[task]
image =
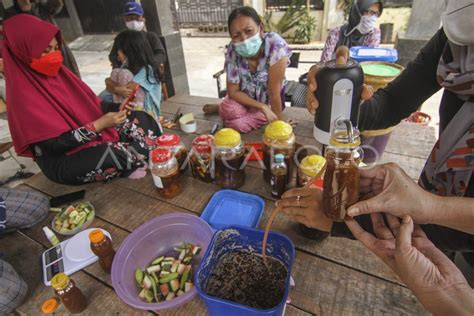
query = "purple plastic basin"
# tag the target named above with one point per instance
(152, 239)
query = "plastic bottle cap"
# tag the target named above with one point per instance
(203, 144)
(168, 140)
(161, 155)
(279, 130)
(96, 236)
(279, 158)
(49, 306)
(227, 137)
(313, 165)
(59, 281)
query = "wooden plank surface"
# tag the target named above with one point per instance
(119, 212)
(24, 254)
(336, 276)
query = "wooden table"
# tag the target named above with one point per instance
(334, 277)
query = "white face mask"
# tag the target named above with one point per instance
(458, 23)
(135, 25)
(367, 23)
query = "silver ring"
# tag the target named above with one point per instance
(298, 198)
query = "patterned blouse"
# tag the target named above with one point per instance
(255, 85)
(372, 39)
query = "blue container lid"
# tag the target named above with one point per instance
(364, 53)
(230, 207)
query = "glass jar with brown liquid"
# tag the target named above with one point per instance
(341, 180)
(278, 139)
(229, 158)
(165, 172)
(71, 296)
(173, 141)
(201, 158)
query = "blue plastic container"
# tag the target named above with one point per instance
(230, 207)
(238, 238)
(364, 53)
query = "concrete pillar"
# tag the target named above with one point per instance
(159, 19)
(70, 25)
(424, 22)
(331, 18)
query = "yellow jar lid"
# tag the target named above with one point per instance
(279, 130)
(59, 281)
(227, 137)
(313, 165)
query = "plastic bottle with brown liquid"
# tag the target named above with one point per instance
(279, 176)
(341, 180)
(71, 296)
(102, 246)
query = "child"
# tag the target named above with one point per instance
(138, 67)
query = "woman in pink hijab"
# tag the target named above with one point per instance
(56, 119)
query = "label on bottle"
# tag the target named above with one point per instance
(157, 181)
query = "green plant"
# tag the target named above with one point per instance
(345, 5)
(305, 29)
(289, 20)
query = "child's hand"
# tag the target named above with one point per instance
(123, 91)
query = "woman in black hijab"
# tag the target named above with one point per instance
(361, 30)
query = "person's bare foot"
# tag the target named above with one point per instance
(210, 108)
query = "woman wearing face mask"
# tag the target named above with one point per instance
(56, 119)
(255, 64)
(361, 30)
(134, 20)
(45, 10)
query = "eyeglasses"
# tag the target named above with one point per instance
(372, 13)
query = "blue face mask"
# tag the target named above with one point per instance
(249, 47)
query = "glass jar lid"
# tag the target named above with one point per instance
(59, 281)
(168, 140)
(313, 165)
(161, 155)
(278, 130)
(227, 138)
(203, 144)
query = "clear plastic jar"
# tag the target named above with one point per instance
(341, 180)
(173, 141)
(165, 172)
(201, 158)
(278, 139)
(310, 169)
(229, 157)
(71, 296)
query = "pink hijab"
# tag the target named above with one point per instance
(41, 107)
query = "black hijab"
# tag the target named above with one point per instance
(355, 38)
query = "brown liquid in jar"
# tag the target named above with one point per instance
(182, 156)
(171, 185)
(228, 171)
(72, 298)
(106, 253)
(267, 158)
(341, 185)
(201, 168)
(278, 182)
